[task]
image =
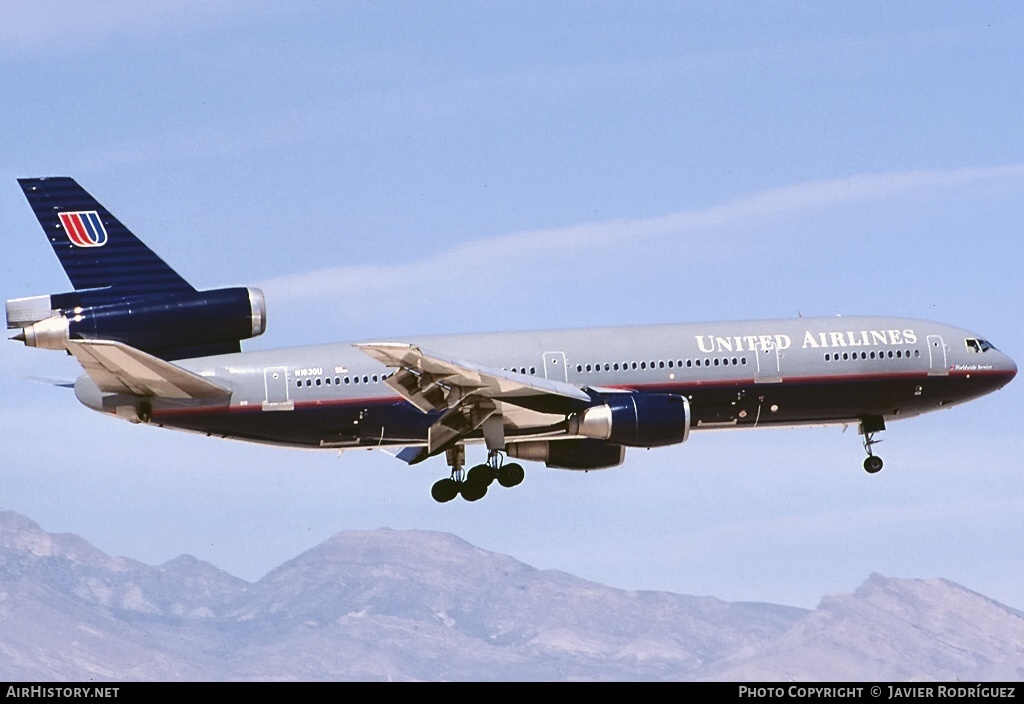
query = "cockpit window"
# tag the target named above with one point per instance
(976, 344)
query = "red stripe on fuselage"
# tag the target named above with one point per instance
(678, 386)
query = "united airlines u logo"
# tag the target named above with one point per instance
(84, 229)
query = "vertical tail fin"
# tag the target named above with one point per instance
(95, 249)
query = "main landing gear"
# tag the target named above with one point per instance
(474, 483)
(868, 427)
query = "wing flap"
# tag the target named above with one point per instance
(118, 368)
(434, 382)
(467, 394)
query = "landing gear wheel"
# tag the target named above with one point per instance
(473, 491)
(511, 475)
(869, 426)
(480, 474)
(873, 464)
(444, 490)
(144, 412)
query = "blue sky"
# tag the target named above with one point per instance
(384, 169)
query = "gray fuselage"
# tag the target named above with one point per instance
(733, 374)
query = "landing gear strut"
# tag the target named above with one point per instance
(473, 485)
(868, 427)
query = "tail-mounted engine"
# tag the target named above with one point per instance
(169, 325)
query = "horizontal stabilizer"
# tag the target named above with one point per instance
(413, 455)
(49, 381)
(118, 368)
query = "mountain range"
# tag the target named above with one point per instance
(419, 605)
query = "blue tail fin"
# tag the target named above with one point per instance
(95, 249)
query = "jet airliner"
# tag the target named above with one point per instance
(156, 350)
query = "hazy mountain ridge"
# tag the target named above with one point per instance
(421, 605)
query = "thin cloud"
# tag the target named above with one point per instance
(563, 244)
(68, 26)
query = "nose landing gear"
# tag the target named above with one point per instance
(872, 464)
(868, 427)
(473, 485)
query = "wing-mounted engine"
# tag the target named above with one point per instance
(635, 420)
(169, 325)
(580, 453)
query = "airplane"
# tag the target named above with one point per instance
(156, 350)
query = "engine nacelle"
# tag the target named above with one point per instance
(569, 454)
(151, 323)
(635, 420)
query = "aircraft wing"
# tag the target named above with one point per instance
(433, 382)
(118, 368)
(468, 394)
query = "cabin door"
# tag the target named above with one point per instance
(767, 365)
(937, 357)
(554, 366)
(275, 382)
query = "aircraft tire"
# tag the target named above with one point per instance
(481, 474)
(873, 464)
(444, 490)
(144, 412)
(473, 491)
(511, 475)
